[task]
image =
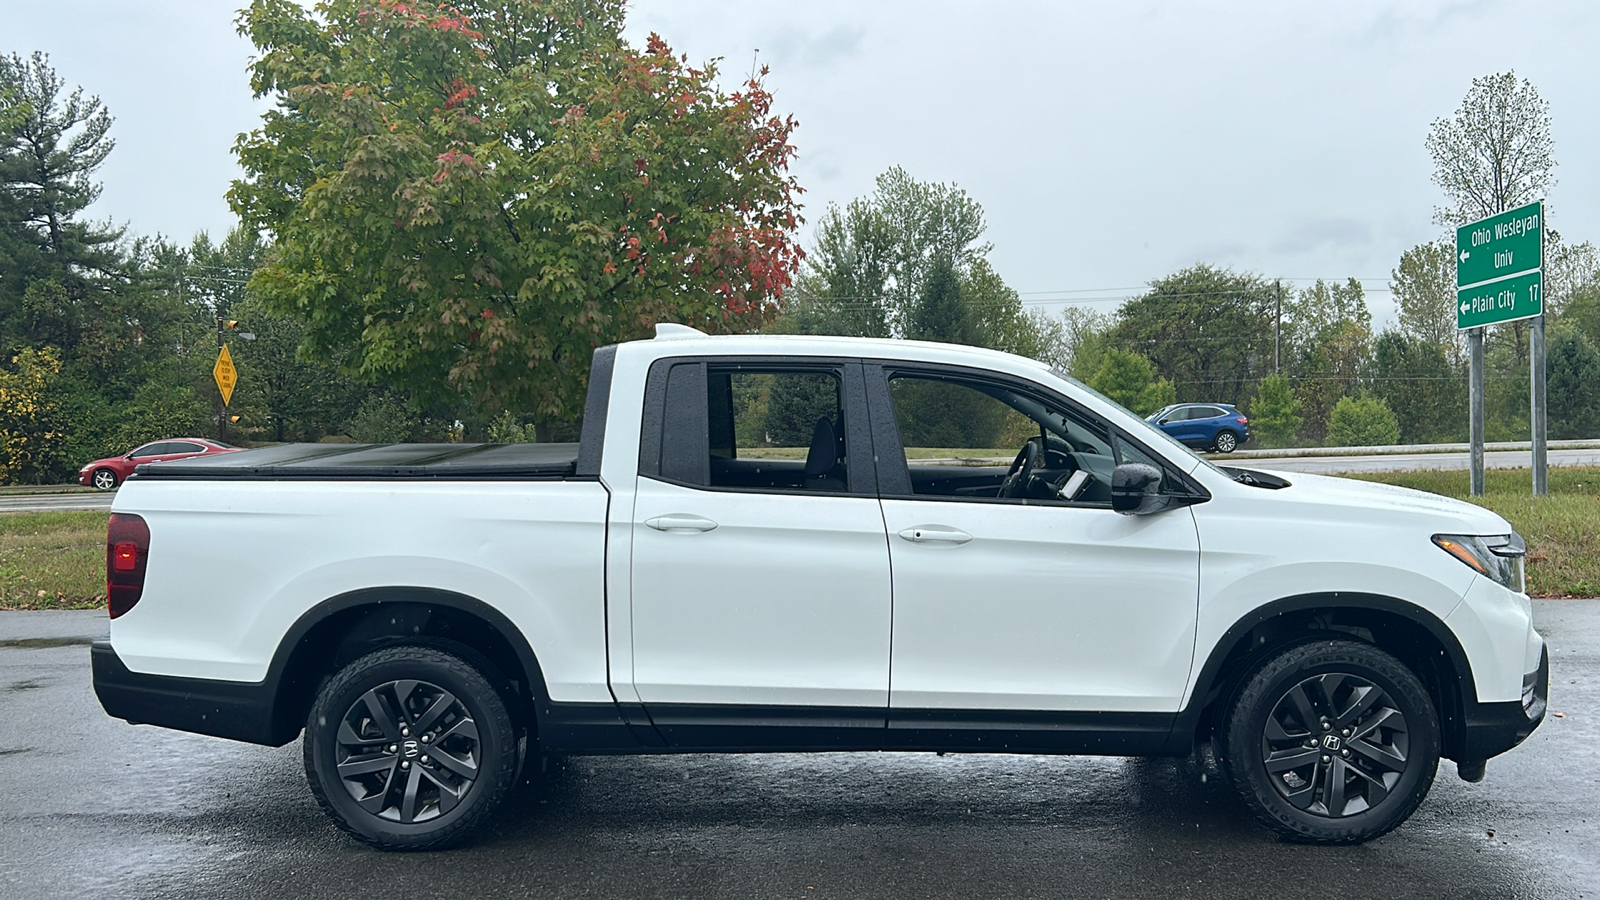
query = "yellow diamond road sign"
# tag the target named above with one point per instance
(227, 376)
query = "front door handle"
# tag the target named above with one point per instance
(935, 534)
(682, 523)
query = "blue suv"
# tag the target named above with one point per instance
(1212, 426)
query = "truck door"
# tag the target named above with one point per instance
(1019, 594)
(760, 568)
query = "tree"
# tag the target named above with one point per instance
(1419, 383)
(51, 143)
(1207, 329)
(1083, 341)
(465, 201)
(1275, 413)
(873, 259)
(1363, 421)
(1495, 153)
(1130, 379)
(844, 288)
(933, 224)
(1324, 308)
(1424, 286)
(941, 313)
(1581, 312)
(1330, 333)
(1574, 386)
(32, 427)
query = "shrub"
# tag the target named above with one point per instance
(1363, 421)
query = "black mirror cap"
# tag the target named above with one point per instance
(1136, 489)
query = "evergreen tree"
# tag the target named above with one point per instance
(1415, 378)
(1573, 386)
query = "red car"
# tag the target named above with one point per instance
(107, 473)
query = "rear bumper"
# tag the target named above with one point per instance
(1494, 728)
(240, 711)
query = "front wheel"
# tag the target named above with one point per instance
(1334, 742)
(104, 479)
(410, 748)
(1225, 442)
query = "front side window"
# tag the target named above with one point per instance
(156, 449)
(973, 439)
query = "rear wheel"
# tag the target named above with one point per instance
(1335, 742)
(104, 479)
(410, 748)
(1225, 441)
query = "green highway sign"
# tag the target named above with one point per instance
(1510, 243)
(1518, 297)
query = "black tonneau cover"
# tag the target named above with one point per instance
(365, 461)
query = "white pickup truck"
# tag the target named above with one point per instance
(431, 615)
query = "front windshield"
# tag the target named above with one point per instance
(1149, 429)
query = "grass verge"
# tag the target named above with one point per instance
(1561, 529)
(53, 560)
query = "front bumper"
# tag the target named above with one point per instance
(1493, 728)
(241, 711)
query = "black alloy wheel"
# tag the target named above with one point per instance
(1332, 742)
(1335, 745)
(104, 479)
(1225, 441)
(410, 748)
(408, 751)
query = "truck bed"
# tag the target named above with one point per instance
(370, 461)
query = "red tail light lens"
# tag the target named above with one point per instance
(1243, 420)
(127, 551)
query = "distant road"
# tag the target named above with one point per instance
(1410, 462)
(54, 502)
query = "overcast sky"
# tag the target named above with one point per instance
(1109, 143)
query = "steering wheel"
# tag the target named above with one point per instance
(1020, 475)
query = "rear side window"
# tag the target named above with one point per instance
(185, 447)
(754, 428)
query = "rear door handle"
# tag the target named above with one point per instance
(682, 523)
(935, 534)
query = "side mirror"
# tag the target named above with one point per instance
(1136, 490)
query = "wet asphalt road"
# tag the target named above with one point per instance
(93, 807)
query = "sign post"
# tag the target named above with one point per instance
(1500, 278)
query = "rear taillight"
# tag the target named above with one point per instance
(1243, 420)
(127, 551)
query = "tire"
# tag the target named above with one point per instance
(104, 480)
(1225, 441)
(395, 785)
(1358, 769)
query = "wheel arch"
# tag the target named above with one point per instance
(342, 628)
(1412, 634)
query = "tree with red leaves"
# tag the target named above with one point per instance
(465, 200)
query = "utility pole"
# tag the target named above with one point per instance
(1475, 407)
(1277, 330)
(222, 402)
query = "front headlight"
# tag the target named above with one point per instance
(1497, 557)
